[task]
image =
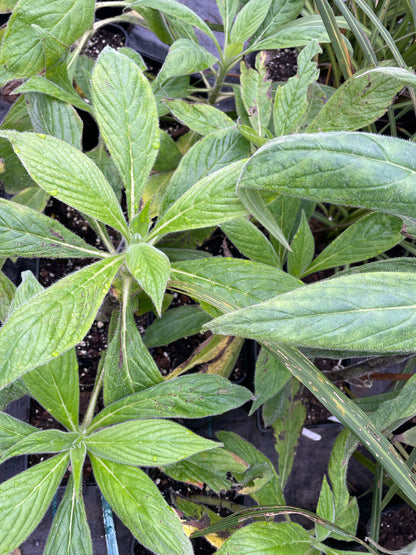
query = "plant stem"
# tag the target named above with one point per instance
(89, 415)
(219, 82)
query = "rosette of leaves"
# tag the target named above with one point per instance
(42, 327)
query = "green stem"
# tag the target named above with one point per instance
(89, 415)
(219, 82)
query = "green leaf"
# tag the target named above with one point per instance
(299, 33)
(325, 509)
(209, 467)
(271, 492)
(39, 84)
(371, 313)
(126, 114)
(287, 431)
(393, 412)
(67, 174)
(230, 283)
(185, 57)
(279, 14)
(55, 385)
(147, 442)
(12, 431)
(55, 320)
(128, 365)
(22, 53)
(408, 437)
(141, 507)
(27, 233)
(358, 102)
(212, 153)
(211, 201)
(291, 100)
(250, 241)
(7, 291)
(28, 288)
(368, 237)
(7, 5)
(356, 169)
(169, 154)
(349, 414)
(256, 94)
(174, 324)
(177, 10)
(270, 377)
(285, 538)
(33, 197)
(227, 9)
(303, 248)
(151, 268)
(25, 498)
(133, 55)
(194, 396)
(43, 441)
(201, 118)
(70, 533)
(55, 118)
(249, 20)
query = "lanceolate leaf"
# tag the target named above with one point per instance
(211, 201)
(256, 94)
(208, 155)
(209, 467)
(285, 538)
(250, 241)
(356, 169)
(55, 385)
(55, 117)
(357, 103)
(25, 232)
(25, 498)
(371, 313)
(55, 320)
(22, 53)
(151, 268)
(174, 324)
(147, 443)
(228, 283)
(141, 507)
(249, 20)
(70, 533)
(128, 365)
(297, 34)
(291, 100)
(184, 57)
(202, 118)
(66, 173)
(194, 396)
(42, 441)
(39, 84)
(126, 113)
(368, 237)
(178, 10)
(280, 13)
(7, 289)
(12, 430)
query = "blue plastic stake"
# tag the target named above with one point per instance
(109, 528)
